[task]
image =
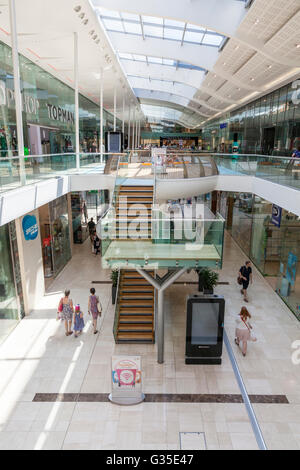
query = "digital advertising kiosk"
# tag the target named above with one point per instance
(204, 329)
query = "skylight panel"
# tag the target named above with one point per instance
(139, 58)
(155, 60)
(125, 56)
(155, 31)
(113, 25)
(133, 28)
(193, 37)
(212, 39)
(169, 62)
(173, 34)
(153, 20)
(179, 24)
(130, 16)
(195, 28)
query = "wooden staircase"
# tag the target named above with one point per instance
(133, 202)
(136, 309)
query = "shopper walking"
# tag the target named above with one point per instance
(245, 277)
(78, 321)
(243, 330)
(92, 227)
(97, 244)
(94, 308)
(65, 311)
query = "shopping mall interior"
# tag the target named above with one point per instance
(149, 154)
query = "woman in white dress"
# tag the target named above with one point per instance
(243, 330)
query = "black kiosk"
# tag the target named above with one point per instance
(204, 329)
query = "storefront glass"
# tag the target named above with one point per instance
(60, 236)
(274, 250)
(9, 306)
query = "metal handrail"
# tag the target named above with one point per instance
(117, 306)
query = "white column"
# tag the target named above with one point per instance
(129, 127)
(139, 143)
(123, 116)
(101, 115)
(136, 135)
(133, 130)
(77, 144)
(17, 86)
(115, 109)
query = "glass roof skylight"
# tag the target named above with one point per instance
(159, 60)
(148, 26)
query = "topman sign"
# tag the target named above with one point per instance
(31, 105)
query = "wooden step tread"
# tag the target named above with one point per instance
(137, 302)
(136, 319)
(133, 335)
(137, 310)
(139, 328)
(135, 296)
(136, 188)
(135, 282)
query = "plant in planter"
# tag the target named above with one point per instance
(114, 277)
(208, 279)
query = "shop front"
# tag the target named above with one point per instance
(11, 297)
(55, 236)
(272, 244)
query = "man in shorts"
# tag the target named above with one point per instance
(245, 274)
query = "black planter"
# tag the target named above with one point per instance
(113, 294)
(208, 291)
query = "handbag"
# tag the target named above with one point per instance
(252, 338)
(60, 306)
(240, 280)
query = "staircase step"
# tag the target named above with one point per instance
(135, 328)
(136, 310)
(136, 319)
(134, 282)
(134, 193)
(137, 296)
(135, 337)
(136, 302)
(136, 188)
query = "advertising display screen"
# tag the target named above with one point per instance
(205, 323)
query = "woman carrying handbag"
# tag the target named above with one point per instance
(243, 330)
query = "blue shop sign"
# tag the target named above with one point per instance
(276, 215)
(223, 125)
(30, 227)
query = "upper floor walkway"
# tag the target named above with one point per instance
(29, 182)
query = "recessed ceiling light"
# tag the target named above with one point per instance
(81, 16)
(85, 22)
(269, 66)
(77, 9)
(252, 79)
(256, 21)
(298, 46)
(92, 32)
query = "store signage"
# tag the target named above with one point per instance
(31, 105)
(30, 227)
(276, 215)
(126, 380)
(223, 125)
(57, 113)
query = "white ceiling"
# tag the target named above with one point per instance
(169, 58)
(153, 39)
(45, 36)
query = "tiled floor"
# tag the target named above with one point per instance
(38, 358)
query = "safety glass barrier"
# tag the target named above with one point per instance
(140, 239)
(183, 166)
(282, 170)
(16, 171)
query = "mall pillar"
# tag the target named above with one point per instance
(115, 109)
(123, 117)
(101, 115)
(133, 130)
(214, 202)
(129, 126)
(17, 87)
(31, 260)
(77, 144)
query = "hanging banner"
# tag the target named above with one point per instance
(126, 380)
(276, 215)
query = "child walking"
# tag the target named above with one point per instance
(78, 321)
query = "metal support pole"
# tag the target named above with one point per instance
(136, 135)
(115, 109)
(123, 117)
(17, 86)
(129, 126)
(160, 327)
(77, 144)
(133, 130)
(101, 116)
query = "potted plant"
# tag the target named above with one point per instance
(208, 279)
(114, 277)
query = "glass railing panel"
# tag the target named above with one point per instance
(280, 170)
